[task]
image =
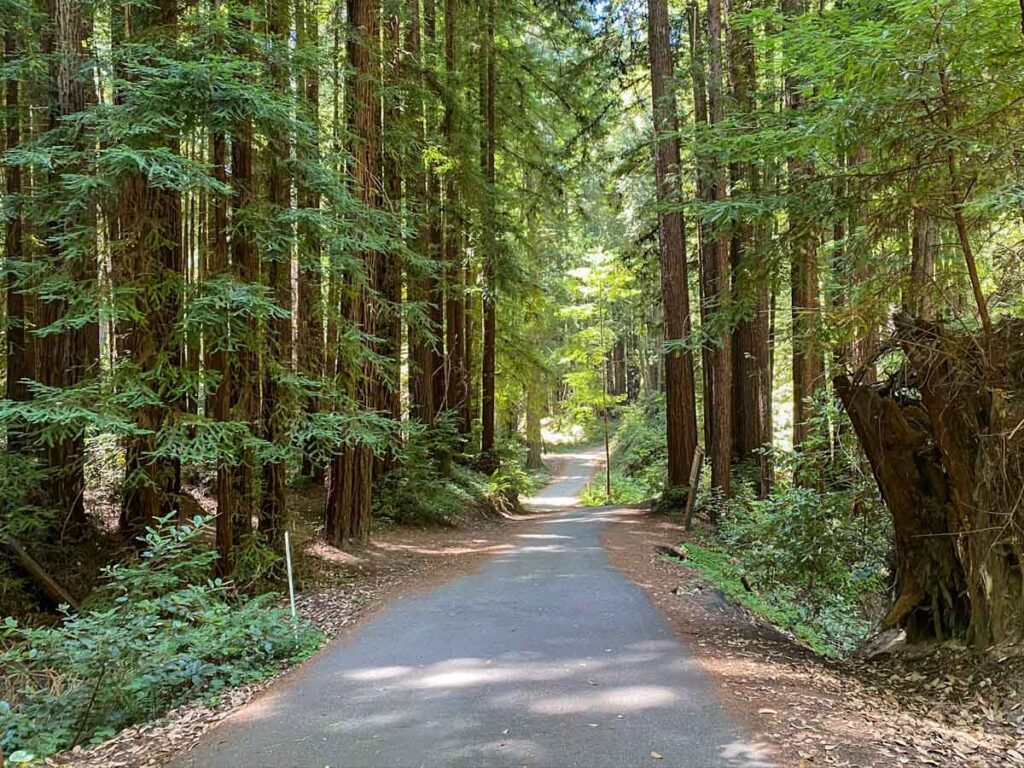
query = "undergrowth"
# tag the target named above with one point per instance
(431, 486)
(639, 458)
(159, 633)
(815, 553)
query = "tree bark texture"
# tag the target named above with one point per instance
(946, 448)
(351, 481)
(681, 408)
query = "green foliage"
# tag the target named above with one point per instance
(511, 480)
(418, 491)
(639, 456)
(779, 608)
(816, 551)
(638, 450)
(159, 633)
(626, 489)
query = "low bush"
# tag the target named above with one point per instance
(817, 550)
(511, 480)
(639, 456)
(426, 487)
(159, 633)
(421, 490)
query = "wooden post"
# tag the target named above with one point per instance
(691, 487)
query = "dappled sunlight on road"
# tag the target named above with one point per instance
(615, 701)
(546, 657)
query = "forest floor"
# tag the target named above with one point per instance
(929, 706)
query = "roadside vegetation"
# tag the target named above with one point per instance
(814, 557)
(158, 632)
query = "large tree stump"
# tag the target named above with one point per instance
(946, 445)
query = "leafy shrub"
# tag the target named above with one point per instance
(21, 520)
(625, 490)
(638, 448)
(425, 487)
(159, 633)
(816, 551)
(511, 480)
(639, 455)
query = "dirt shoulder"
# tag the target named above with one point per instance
(340, 591)
(813, 711)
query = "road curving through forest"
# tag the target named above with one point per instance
(546, 656)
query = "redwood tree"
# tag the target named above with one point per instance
(490, 142)
(679, 391)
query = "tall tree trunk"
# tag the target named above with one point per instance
(721, 453)
(421, 389)
(456, 388)
(222, 398)
(310, 310)
(751, 382)
(19, 357)
(244, 361)
(63, 359)
(277, 267)
(490, 143)
(153, 267)
(350, 487)
(808, 355)
(391, 268)
(435, 232)
(706, 238)
(681, 409)
(534, 408)
(334, 278)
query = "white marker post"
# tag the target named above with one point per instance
(291, 581)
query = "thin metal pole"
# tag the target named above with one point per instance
(604, 397)
(291, 580)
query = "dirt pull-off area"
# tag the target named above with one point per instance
(943, 707)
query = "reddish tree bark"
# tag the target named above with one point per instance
(309, 339)
(277, 266)
(808, 355)
(721, 284)
(681, 408)
(19, 353)
(390, 274)
(351, 480)
(752, 428)
(706, 238)
(153, 266)
(490, 143)
(64, 356)
(421, 381)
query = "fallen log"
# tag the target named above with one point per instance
(50, 586)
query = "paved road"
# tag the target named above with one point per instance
(545, 657)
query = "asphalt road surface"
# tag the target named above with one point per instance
(547, 656)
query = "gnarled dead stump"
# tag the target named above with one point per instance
(946, 444)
